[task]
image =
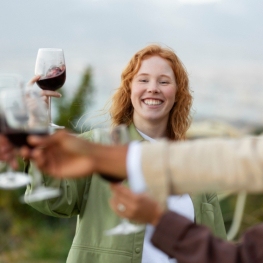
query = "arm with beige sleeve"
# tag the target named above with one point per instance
(202, 165)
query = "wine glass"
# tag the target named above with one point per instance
(11, 80)
(25, 113)
(11, 179)
(50, 65)
(116, 135)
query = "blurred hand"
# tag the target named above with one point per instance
(60, 154)
(7, 152)
(44, 93)
(138, 207)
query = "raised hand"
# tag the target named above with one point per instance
(61, 154)
(44, 93)
(138, 207)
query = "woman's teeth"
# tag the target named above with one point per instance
(152, 102)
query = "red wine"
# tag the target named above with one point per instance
(19, 138)
(54, 79)
(111, 179)
(2, 120)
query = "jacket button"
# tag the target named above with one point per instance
(137, 250)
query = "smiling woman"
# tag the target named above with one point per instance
(156, 76)
(154, 101)
(155, 98)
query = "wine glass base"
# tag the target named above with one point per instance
(41, 193)
(55, 126)
(14, 180)
(124, 228)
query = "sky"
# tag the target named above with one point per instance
(220, 43)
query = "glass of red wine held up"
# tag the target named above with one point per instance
(116, 135)
(10, 179)
(51, 67)
(25, 113)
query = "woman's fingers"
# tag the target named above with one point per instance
(55, 140)
(13, 163)
(123, 195)
(33, 80)
(25, 152)
(38, 156)
(36, 141)
(6, 149)
(121, 190)
(138, 207)
(50, 93)
(114, 204)
(44, 92)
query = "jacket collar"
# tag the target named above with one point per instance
(135, 135)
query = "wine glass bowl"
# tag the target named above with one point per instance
(11, 80)
(10, 179)
(54, 79)
(25, 113)
(51, 67)
(18, 107)
(117, 135)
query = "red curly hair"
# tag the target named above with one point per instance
(121, 110)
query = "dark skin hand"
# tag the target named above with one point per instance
(65, 155)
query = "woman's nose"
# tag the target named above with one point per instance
(153, 87)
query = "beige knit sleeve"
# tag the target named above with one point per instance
(154, 167)
(203, 165)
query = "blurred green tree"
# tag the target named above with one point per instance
(69, 110)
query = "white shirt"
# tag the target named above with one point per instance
(181, 204)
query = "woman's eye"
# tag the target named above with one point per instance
(142, 80)
(164, 82)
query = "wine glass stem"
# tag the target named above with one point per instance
(10, 172)
(37, 177)
(49, 109)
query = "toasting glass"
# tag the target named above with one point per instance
(11, 179)
(50, 65)
(116, 135)
(25, 113)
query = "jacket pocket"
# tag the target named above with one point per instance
(208, 217)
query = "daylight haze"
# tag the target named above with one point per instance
(220, 43)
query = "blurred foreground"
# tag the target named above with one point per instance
(29, 236)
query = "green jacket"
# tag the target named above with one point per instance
(88, 199)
